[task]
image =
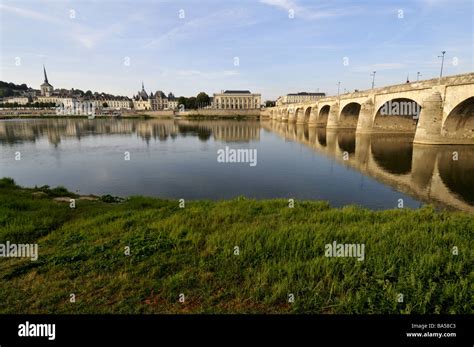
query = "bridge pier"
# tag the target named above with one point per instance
(362, 150)
(423, 166)
(366, 114)
(313, 116)
(292, 116)
(333, 117)
(300, 117)
(428, 130)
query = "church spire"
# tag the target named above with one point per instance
(143, 87)
(45, 76)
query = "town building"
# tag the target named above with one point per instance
(118, 102)
(293, 98)
(154, 101)
(236, 100)
(57, 100)
(46, 88)
(161, 101)
(173, 103)
(20, 100)
(143, 101)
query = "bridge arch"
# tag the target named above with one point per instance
(323, 115)
(298, 113)
(460, 121)
(349, 115)
(307, 114)
(397, 115)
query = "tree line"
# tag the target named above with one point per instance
(201, 100)
(29, 105)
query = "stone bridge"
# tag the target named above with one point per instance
(437, 111)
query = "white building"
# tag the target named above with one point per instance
(154, 102)
(117, 103)
(298, 97)
(20, 100)
(236, 100)
(142, 101)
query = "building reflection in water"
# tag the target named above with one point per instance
(56, 129)
(428, 173)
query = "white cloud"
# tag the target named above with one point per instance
(25, 13)
(83, 34)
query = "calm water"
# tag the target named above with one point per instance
(178, 159)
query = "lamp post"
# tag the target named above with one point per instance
(442, 63)
(338, 87)
(373, 79)
(418, 76)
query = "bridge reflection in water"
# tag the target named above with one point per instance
(442, 175)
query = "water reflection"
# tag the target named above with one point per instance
(393, 153)
(177, 158)
(459, 173)
(15, 131)
(428, 173)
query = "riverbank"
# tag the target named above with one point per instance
(189, 114)
(190, 253)
(55, 116)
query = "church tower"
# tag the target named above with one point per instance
(46, 88)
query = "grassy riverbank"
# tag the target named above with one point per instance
(191, 251)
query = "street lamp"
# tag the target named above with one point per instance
(338, 87)
(373, 78)
(442, 63)
(418, 76)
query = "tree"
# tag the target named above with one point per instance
(105, 104)
(269, 103)
(181, 101)
(202, 100)
(191, 103)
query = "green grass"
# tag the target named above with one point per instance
(191, 251)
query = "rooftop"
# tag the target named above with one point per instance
(306, 93)
(237, 92)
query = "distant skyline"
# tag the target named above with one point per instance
(272, 47)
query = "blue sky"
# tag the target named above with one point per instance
(190, 46)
